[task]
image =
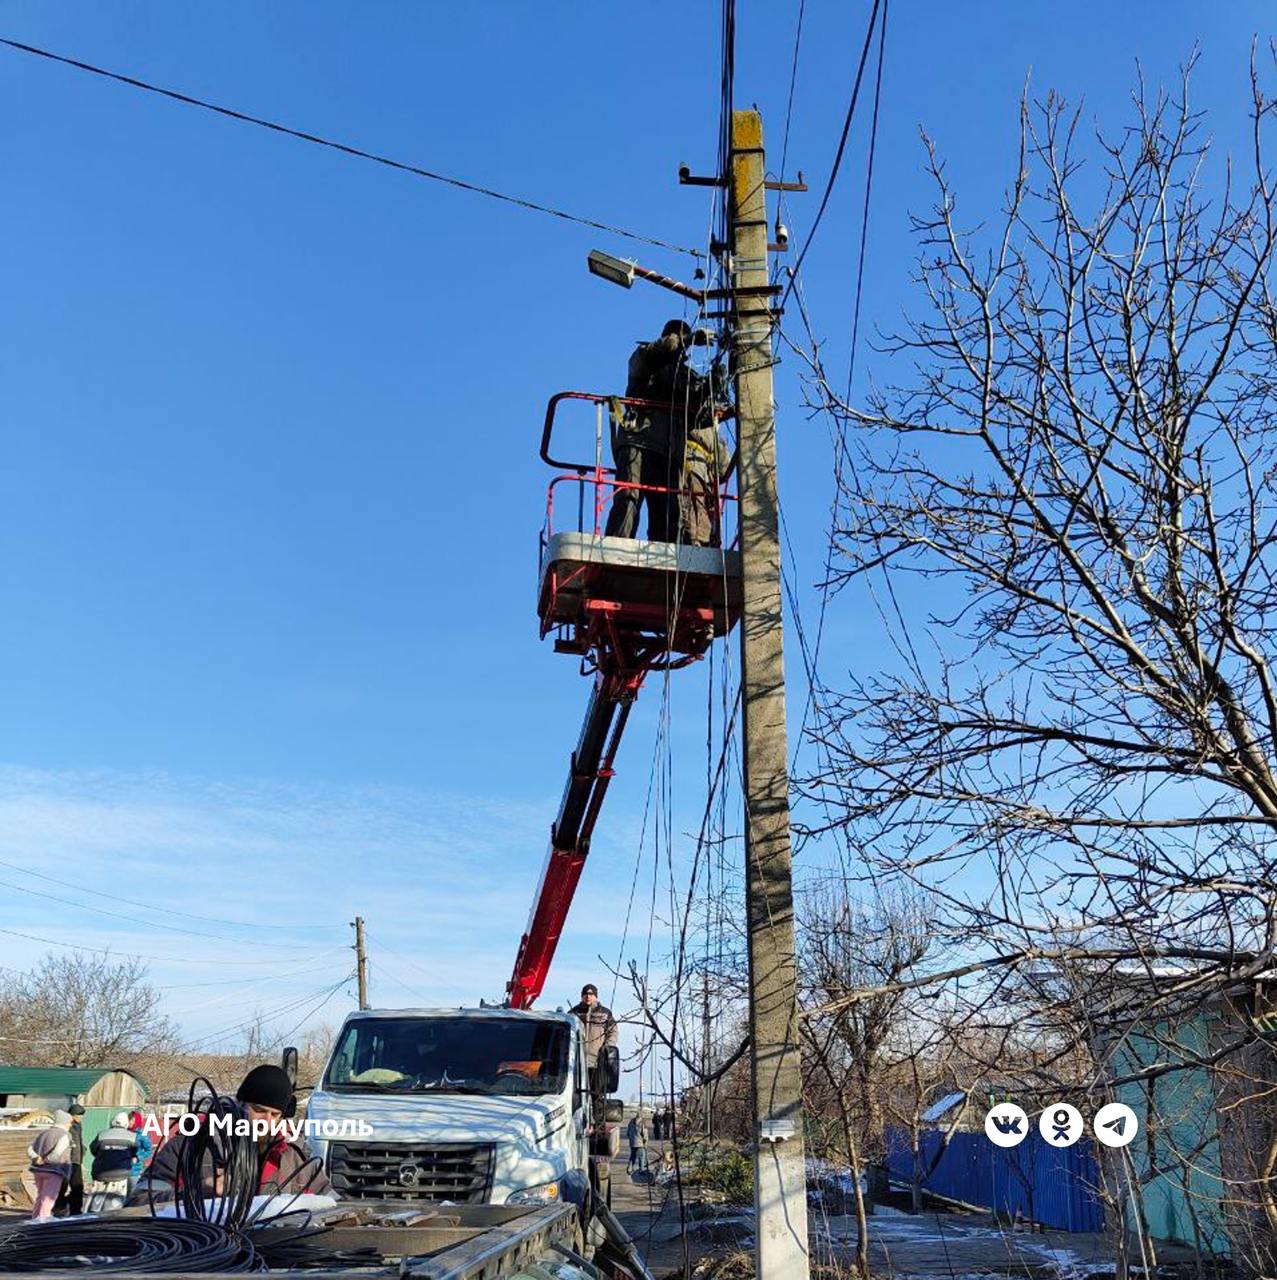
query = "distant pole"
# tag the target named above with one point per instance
(780, 1175)
(361, 961)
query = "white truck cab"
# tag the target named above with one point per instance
(470, 1106)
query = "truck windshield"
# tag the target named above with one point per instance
(451, 1055)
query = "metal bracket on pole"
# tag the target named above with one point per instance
(775, 1130)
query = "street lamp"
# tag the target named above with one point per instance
(617, 270)
(623, 272)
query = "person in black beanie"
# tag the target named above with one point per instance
(266, 1094)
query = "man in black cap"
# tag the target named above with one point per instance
(71, 1198)
(644, 438)
(600, 1026)
(266, 1095)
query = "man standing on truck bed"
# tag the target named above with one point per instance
(600, 1026)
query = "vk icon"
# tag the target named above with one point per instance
(1006, 1125)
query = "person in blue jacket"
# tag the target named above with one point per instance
(145, 1149)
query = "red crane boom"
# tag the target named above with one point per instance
(627, 607)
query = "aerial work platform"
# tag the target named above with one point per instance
(691, 595)
(633, 604)
(626, 606)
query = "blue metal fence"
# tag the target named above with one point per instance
(1055, 1186)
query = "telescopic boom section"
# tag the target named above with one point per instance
(591, 771)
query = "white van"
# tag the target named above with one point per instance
(469, 1106)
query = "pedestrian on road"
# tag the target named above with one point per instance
(50, 1154)
(636, 1131)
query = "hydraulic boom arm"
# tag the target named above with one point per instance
(591, 771)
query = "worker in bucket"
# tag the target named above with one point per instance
(643, 436)
(285, 1165)
(706, 462)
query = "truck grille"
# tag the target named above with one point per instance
(457, 1171)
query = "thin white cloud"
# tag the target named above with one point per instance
(444, 881)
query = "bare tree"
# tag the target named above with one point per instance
(845, 947)
(1072, 753)
(81, 1009)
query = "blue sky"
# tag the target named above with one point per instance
(269, 493)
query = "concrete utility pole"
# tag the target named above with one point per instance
(361, 961)
(780, 1181)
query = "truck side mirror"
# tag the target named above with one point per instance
(288, 1060)
(614, 1110)
(607, 1070)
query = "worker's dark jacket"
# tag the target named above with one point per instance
(76, 1134)
(113, 1151)
(600, 1029)
(280, 1165)
(658, 372)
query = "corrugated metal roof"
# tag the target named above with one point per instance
(47, 1081)
(937, 1109)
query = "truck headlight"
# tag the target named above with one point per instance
(545, 1193)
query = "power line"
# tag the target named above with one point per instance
(245, 979)
(842, 146)
(310, 1013)
(127, 955)
(358, 152)
(168, 911)
(151, 924)
(793, 79)
(260, 1019)
(869, 182)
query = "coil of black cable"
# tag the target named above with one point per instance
(126, 1244)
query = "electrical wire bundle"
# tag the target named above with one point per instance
(127, 1244)
(218, 1170)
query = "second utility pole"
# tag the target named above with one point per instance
(780, 1174)
(361, 961)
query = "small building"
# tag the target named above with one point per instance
(1200, 1073)
(47, 1088)
(29, 1096)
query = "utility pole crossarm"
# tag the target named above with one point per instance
(780, 1175)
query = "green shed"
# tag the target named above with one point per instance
(101, 1091)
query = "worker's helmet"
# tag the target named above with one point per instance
(681, 327)
(120, 1120)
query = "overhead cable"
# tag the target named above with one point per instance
(126, 955)
(842, 146)
(168, 911)
(793, 80)
(864, 220)
(153, 924)
(358, 152)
